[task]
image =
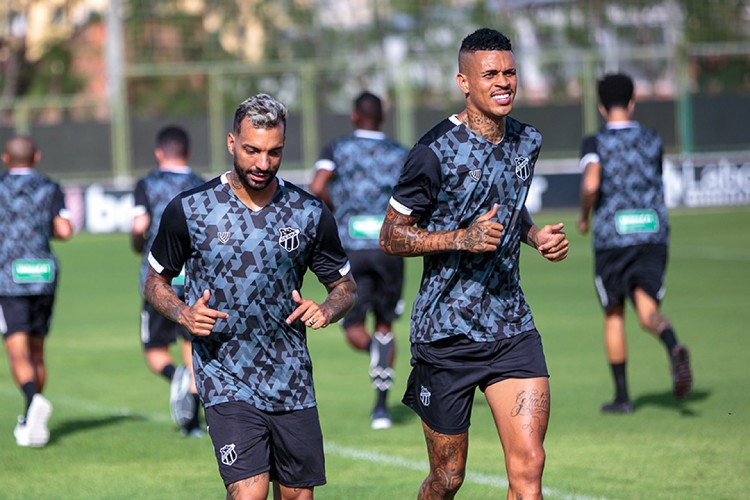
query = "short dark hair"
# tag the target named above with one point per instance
(173, 141)
(485, 39)
(615, 90)
(369, 106)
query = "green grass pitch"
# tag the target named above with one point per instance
(112, 438)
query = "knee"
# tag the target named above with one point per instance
(442, 483)
(526, 467)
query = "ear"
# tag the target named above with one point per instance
(603, 111)
(230, 143)
(463, 83)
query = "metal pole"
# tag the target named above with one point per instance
(119, 121)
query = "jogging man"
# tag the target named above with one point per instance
(152, 193)
(622, 184)
(355, 177)
(32, 211)
(246, 239)
(460, 204)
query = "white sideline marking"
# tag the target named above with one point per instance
(330, 447)
(422, 466)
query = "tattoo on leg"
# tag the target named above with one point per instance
(532, 404)
(447, 466)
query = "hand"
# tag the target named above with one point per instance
(200, 319)
(308, 312)
(582, 225)
(552, 243)
(483, 235)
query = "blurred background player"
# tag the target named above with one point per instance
(622, 184)
(152, 193)
(355, 177)
(32, 211)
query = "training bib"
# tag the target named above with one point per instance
(365, 226)
(179, 280)
(33, 271)
(636, 221)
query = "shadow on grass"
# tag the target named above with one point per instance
(666, 400)
(69, 427)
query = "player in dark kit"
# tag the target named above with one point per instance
(152, 193)
(32, 211)
(622, 184)
(246, 239)
(460, 203)
(355, 177)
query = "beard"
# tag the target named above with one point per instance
(251, 184)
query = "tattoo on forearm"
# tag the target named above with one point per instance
(399, 236)
(161, 295)
(341, 298)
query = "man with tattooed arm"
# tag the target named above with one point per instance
(246, 239)
(459, 203)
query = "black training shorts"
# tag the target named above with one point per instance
(445, 375)
(248, 441)
(157, 330)
(26, 313)
(619, 271)
(380, 279)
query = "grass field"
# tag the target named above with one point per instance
(111, 435)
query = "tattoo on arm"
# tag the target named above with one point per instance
(158, 291)
(342, 295)
(399, 236)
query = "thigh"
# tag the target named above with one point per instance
(446, 453)
(520, 408)
(298, 460)
(647, 272)
(241, 440)
(15, 315)
(389, 271)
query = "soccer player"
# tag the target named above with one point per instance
(246, 239)
(355, 177)
(152, 193)
(460, 203)
(32, 211)
(622, 185)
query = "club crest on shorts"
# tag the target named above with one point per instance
(228, 454)
(424, 395)
(522, 167)
(223, 236)
(476, 174)
(289, 238)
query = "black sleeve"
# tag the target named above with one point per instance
(58, 201)
(419, 183)
(329, 261)
(588, 145)
(171, 248)
(139, 195)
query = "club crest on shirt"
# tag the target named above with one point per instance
(476, 174)
(228, 454)
(522, 167)
(223, 236)
(289, 238)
